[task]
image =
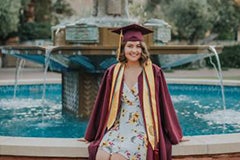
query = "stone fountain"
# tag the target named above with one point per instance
(83, 50)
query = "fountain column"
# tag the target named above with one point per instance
(80, 85)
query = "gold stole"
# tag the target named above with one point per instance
(149, 101)
(115, 93)
(150, 105)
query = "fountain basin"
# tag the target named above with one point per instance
(224, 145)
(27, 115)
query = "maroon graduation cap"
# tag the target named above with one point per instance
(133, 32)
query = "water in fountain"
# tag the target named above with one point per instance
(20, 64)
(47, 62)
(219, 73)
(44, 103)
(224, 116)
(220, 77)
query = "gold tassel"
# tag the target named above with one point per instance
(119, 45)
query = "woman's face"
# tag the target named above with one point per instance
(133, 51)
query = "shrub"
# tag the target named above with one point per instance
(229, 58)
(34, 30)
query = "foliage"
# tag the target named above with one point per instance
(12, 18)
(136, 10)
(229, 58)
(151, 4)
(51, 11)
(226, 18)
(45, 17)
(40, 28)
(43, 11)
(9, 12)
(144, 12)
(33, 30)
(62, 7)
(190, 18)
(193, 20)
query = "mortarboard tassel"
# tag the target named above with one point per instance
(119, 45)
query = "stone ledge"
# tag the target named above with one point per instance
(232, 156)
(208, 145)
(72, 148)
(42, 147)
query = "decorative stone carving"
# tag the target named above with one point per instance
(82, 33)
(114, 7)
(102, 8)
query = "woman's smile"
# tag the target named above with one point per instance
(134, 54)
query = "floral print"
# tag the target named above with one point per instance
(127, 136)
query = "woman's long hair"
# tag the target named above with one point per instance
(144, 55)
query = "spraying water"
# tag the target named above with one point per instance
(20, 64)
(219, 73)
(220, 77)
(47, 62)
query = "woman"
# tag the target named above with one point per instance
(133, 116)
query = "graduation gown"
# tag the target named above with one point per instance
(169, 128)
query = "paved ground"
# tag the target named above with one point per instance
(7, 75)
(205, 73)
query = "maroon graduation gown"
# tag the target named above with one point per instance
(169, 128)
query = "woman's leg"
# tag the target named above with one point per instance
(102, 155)
(116, 156)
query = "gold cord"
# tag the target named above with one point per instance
(119, 45)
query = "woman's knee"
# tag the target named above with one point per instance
(102, 155)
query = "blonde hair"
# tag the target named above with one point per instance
(144, 55)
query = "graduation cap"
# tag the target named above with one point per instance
(133, 32)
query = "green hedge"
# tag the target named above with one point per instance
(229, 58)
(34, 30)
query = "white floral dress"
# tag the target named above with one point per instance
(127, 136)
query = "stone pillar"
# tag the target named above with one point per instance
(70, 91)
(88, 89)
(79, 91)
(103, 8)
(114, 7)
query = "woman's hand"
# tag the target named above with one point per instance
(82, 139)
(184, 140)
